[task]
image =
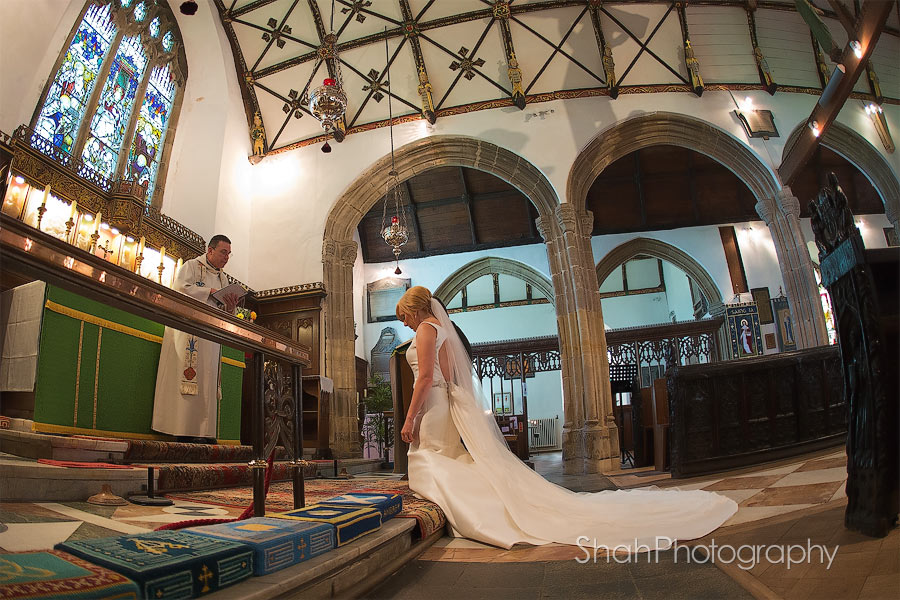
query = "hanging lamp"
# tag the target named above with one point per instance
(328, 102)
(395, 234)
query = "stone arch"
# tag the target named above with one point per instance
(492, 264)
(855, 148)
(339, 250)
(665, 128)
(429, 153)
(662, 251)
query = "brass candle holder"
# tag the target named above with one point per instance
(161, 268)
(69, 225)
(137, 263)
(94, 237)
(41, 210)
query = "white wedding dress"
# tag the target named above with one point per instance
(489, 495)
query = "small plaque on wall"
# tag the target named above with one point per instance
(770, 341)
(382, 297)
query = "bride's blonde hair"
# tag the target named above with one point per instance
(415, 299)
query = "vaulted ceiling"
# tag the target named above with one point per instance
(452, 56)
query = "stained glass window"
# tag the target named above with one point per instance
(150, 133)
(140, 11)
(108, 125)
(137, 61)
(64, 107)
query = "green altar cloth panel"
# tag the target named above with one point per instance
(96, 371)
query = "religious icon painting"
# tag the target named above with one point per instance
(742, 321)
(784, 325)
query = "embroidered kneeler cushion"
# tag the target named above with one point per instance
(276, 543)
(386, 503)
(52, 574)
(169, 564)
(350, 522)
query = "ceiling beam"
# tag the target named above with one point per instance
(609, 66)
(868, 28)
(844, 16)
(501, 14)
(468, 201)
(411, 30)
(414, 216)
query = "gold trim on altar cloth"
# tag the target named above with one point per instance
(96, 379)
(105, 323)
(78, 374)
(233, 362)
(124, 435)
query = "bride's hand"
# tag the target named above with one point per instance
(408, 434)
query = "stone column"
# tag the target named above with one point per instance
(590, 437)
(340, 354)
(892, 212)
(782, 215)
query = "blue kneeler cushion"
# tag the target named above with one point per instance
(349, 522)
(169, 564)
(386, 503)
(276, 543)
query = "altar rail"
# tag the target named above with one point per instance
(743, 412)
(32, 253)
(660, 346)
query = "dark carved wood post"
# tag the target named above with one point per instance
(869, 372)
(297, 467)
(258, 464)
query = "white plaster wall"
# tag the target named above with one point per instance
(635, 310)
(32, 33)
(210, 184)
(678, 292)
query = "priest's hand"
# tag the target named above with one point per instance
(231, 301)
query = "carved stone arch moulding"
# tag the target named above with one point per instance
(430, 153)
(856, 149)
(671, 129)
(492, 264)
(662, 251)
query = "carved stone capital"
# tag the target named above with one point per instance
(788, 203)
(567, 216)
(766, 208)
(337, 252)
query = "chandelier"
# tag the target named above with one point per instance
(397, 233)
(328, 102)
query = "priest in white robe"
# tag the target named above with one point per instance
(186, 399)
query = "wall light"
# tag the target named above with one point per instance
(857, 48)
(814, 125)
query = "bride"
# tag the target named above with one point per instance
(487, 493)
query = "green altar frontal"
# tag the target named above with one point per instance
(96, 372)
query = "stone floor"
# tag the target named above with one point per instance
(792, 508)
(797, 503)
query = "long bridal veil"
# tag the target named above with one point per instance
(545, 511)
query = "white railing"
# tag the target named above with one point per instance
(544, 434)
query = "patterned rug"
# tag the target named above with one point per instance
(155, 451)
(187, 477)
(427, 514)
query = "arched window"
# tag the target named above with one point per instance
(115, 94)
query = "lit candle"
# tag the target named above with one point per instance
(46, 195)
(74, 212)
(140, 251)
(162, 255)
(99, 218)
(178, 265)
(175, 272)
